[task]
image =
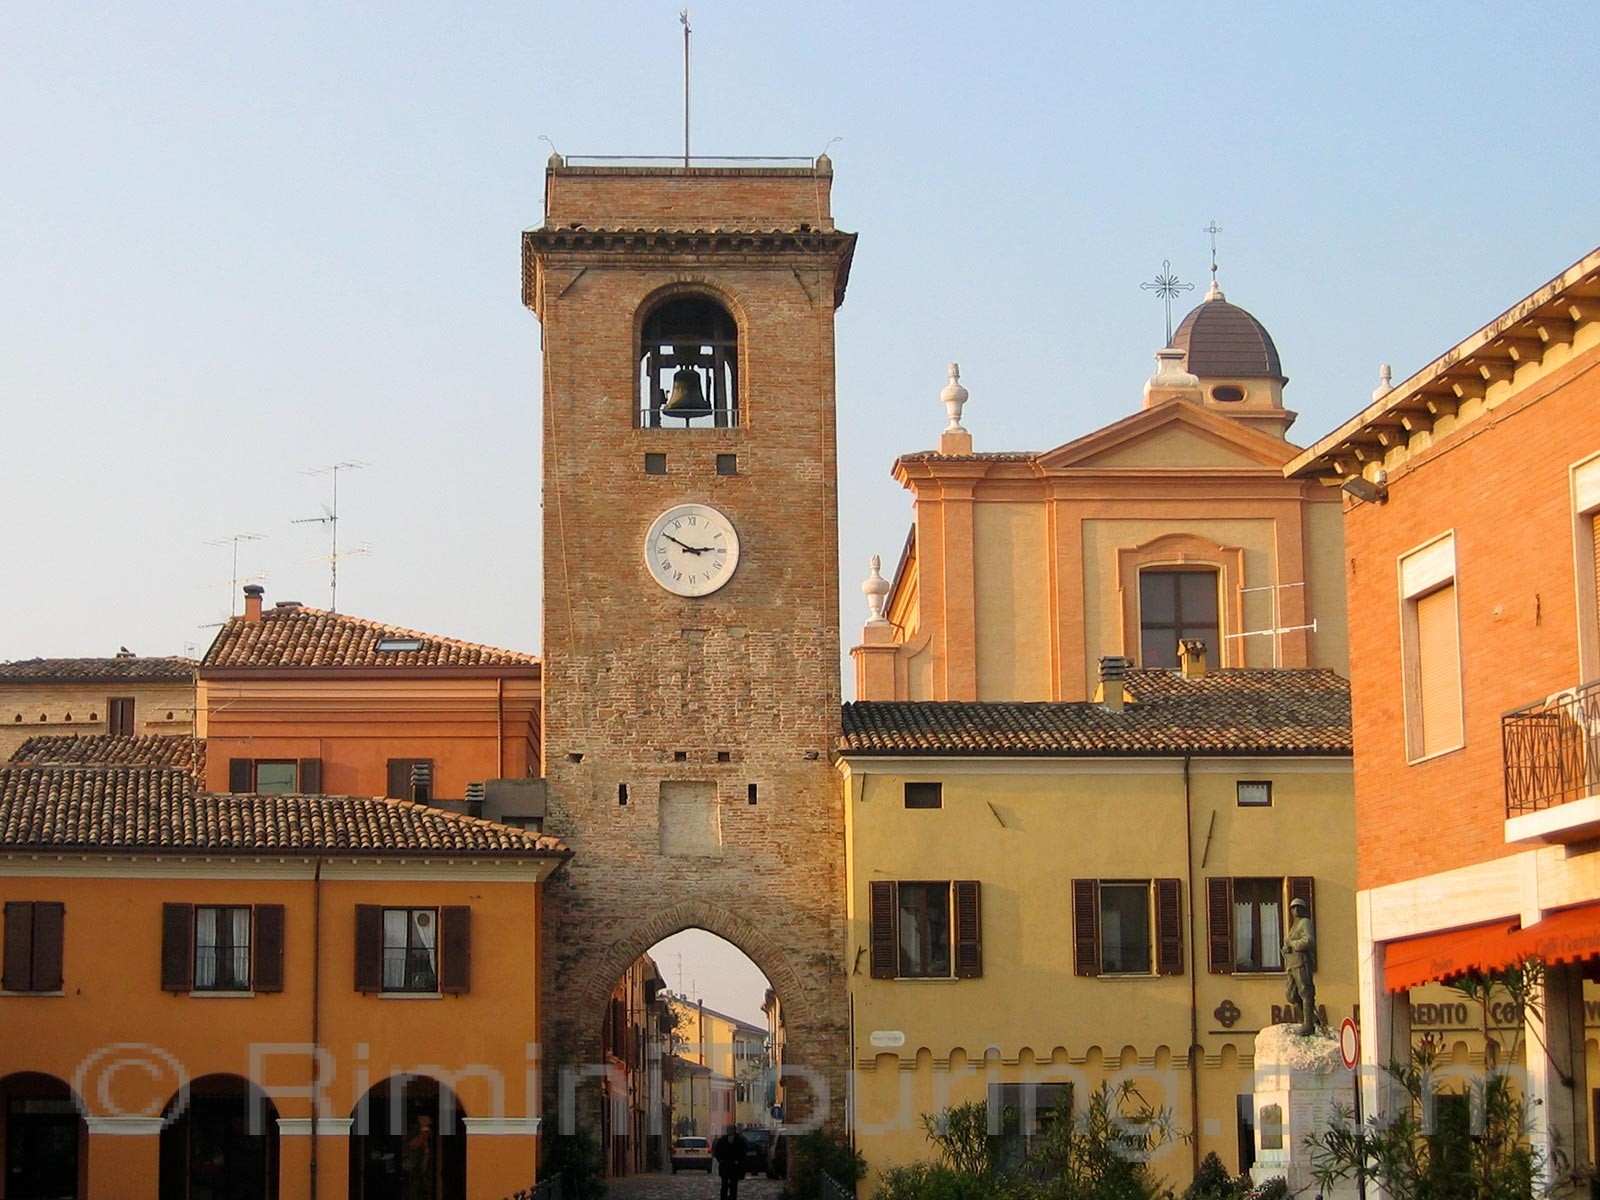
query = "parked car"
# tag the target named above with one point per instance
(758, 1157)
(691, 1154)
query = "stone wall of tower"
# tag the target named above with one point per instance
(738, 690)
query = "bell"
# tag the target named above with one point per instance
(687, 400)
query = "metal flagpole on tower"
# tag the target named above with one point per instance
(684, 17)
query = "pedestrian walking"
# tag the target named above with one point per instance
(730, 1151)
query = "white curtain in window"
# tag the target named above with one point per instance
(239, 948)
(1244, 936)
(205, 947)
(1271, 935)
(424, 963)
(394, 948)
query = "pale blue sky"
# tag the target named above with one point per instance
(241, 240)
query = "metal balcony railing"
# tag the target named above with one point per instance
(1552, 750)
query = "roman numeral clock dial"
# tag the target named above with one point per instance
(691, 550)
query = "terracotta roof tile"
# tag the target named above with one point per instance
(128, 808)
(1226, 712)
(154, 750)
(130, 668)
(312, 637)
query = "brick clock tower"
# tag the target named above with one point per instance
(691, 635)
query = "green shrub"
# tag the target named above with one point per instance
(812, 1154)
(578, 1157)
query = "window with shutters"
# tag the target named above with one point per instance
(926, 930)
(1247, 919)
(1430, 652)
(1127, 926)
(275, 776)
(34, 932)
(421, 951)
(222, 948)
(119, 715)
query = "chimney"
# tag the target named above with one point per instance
(252, 602)
(1192, 658)
(1113, 669)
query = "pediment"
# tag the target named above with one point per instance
(1175, 435)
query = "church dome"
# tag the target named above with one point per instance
(1222, 341)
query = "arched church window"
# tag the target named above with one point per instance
(689, 366)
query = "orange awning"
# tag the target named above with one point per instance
(1567, 935)
(1410, 962)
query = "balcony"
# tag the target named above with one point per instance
(1552, 765)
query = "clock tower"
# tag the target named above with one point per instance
(691, 639)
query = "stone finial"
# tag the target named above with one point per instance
(1385, 382)
(1171, 379)
(955, 399)
(1214, 292)
(876, 589)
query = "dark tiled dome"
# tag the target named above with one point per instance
(1223, 341)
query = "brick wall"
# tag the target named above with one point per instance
(1501, 483)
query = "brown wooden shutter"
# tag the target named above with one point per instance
(399, 779)
(241, 775)
(369, 948)
(1169, 927)
(1086, 926)
(267, 969)
(1219, 926)
(1304, 887)
(49, 919)
(310, 777)
(177, 947)
(884, 957)
(18, 970)
(969, 930)
(455, 948)
(1438, 670)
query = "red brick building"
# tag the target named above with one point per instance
(1472, 537)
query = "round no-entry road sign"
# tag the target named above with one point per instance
(1349, 1043)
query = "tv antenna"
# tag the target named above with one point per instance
(1278, 628)
(235, 579)
(330, 518)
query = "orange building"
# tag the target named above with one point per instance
(295, 699)
(184, 972)
(1472, 531)
(1023, 569)
(636, 1115)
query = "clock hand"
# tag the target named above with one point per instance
(690, 549)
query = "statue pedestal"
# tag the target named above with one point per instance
(1299, 1081)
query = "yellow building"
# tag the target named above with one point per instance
(1064, 894)
(1090, 887)
(125, 696)
(723, 1076)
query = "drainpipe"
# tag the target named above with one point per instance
(500, 726)
(1196, 1055)
(316, 1013)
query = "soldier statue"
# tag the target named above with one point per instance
(1300, 965)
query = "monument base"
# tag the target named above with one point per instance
(1301, 1085)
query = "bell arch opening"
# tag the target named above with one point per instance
(689, 364)
(691, 1044)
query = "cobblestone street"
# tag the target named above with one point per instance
(689, 1185)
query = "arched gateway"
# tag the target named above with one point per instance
(691, 641)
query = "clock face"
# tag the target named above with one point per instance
(691, 550)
